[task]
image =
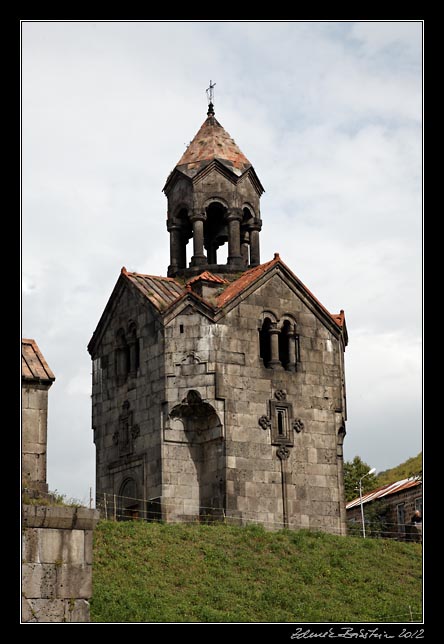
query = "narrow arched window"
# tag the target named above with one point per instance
(122, 357)
(247, 220)
(216, 233)
(134, 350)
(284, 344)
(264, 342)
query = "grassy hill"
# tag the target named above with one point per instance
(152, 572)
(411, 467)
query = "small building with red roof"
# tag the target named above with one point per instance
(394, 505)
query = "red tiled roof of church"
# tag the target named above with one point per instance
(244, 281)
(163, 292)
(250, 276)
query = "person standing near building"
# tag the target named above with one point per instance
(416, 518)
(416, 523)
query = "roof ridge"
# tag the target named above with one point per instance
(209, 276)
(249, 276)
(155, 277)
(241, 283)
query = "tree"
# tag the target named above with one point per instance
(411, 467)
(353, 471)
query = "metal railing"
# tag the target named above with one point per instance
(124, 508)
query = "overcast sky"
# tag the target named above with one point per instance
(328, 113)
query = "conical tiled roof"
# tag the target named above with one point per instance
(212, 143)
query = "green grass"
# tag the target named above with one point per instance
(152, 572)
(50, 499)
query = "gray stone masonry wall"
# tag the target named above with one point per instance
(34, 430)
(214, 183)
(57, 563)
(193, 474)
(222, 362)
(140, 459)
(196, 197)
(315, 392)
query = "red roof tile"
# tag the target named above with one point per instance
(244, 281)
(210, 143)
(163, 292)
(34, 365)
(160, 291)
(385, 490)
(249, 277)
(339, 318)
(208, 277)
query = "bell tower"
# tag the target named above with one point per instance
(219, 391)
(213, 198)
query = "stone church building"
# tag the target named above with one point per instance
(219, 391)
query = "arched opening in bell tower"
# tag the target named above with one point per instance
(215, 232)
(247, 221)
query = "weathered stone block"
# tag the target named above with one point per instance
(43, 610)
(77, 611)
(39, 580)
(34, 449)
(304, 521)
(34, 467)
(326, 456)
(74, 580)
(37, 398)
(312, 455)
(51, 545)
(59, 517)
(30, 545)
(30, 425)
(230, 487)
(88, 546)
(55, 610)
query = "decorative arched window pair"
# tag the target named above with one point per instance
(127, 353)
(279, 343)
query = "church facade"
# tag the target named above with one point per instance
(219, 390)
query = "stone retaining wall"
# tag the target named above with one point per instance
(57, 546)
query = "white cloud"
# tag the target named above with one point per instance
(378, 37)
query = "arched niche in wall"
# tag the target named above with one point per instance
(195, 425)
(128, 501)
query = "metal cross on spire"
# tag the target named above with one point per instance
(210, 97)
